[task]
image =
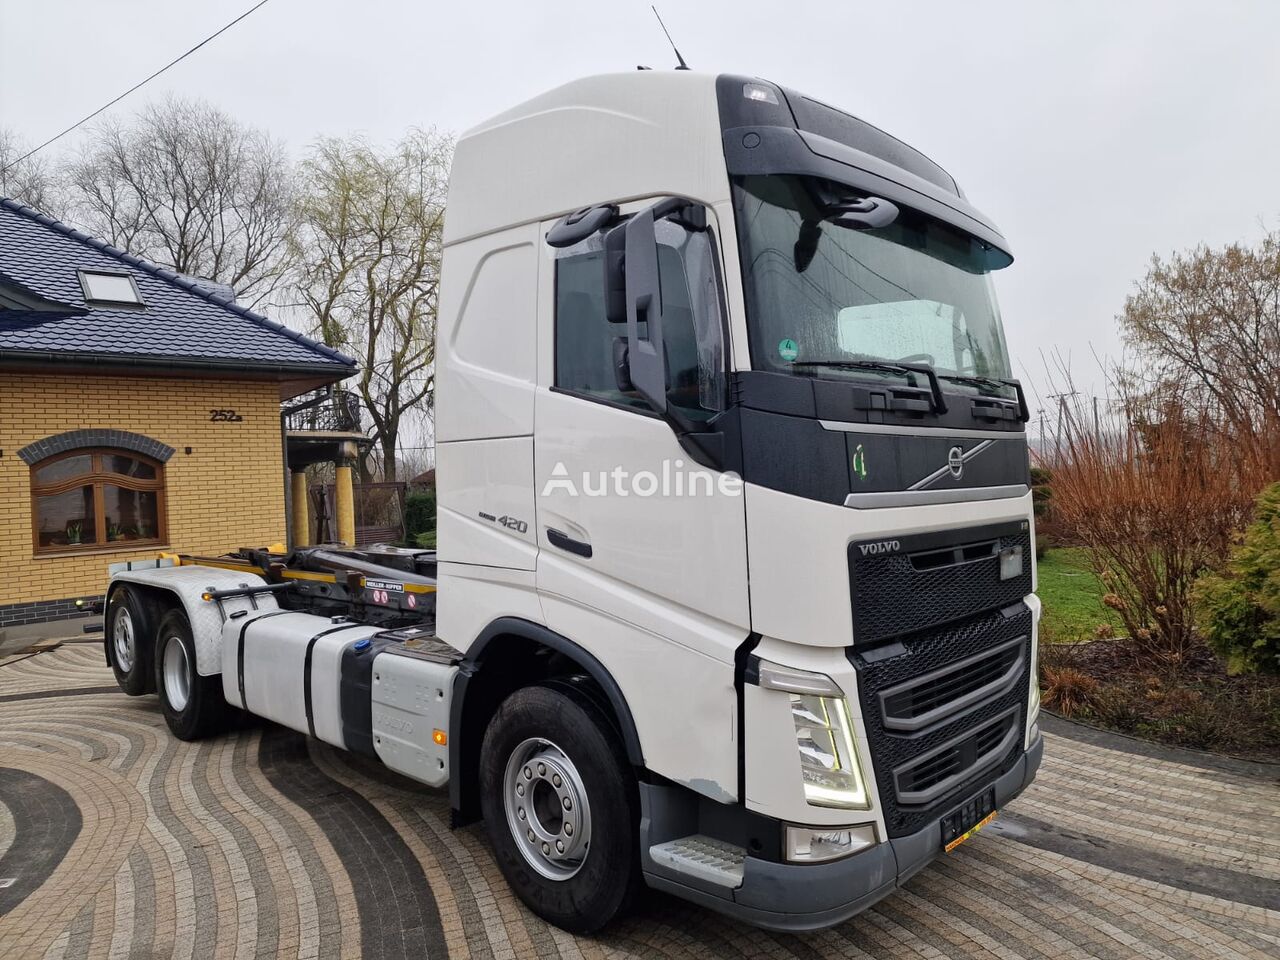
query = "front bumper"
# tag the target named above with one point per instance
(799, 897)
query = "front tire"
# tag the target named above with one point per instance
(130, 641)
(559, 803)
(193, 705)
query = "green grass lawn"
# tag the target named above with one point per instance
(1072, 597)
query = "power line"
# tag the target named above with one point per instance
(141, 83)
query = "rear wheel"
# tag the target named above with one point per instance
(130, 641)
(193, 705)
(559, 804)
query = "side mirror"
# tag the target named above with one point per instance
(647, 358)
(633, 295)
(852, 213)
(866, 213)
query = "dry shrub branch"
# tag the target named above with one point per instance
(1157, 495)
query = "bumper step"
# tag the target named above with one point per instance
(714, 861)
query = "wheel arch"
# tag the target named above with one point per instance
(511, 653)
(182, 587)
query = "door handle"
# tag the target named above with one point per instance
(559, 538)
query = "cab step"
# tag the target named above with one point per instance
(707, 858)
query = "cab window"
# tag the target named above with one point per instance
(587, 345)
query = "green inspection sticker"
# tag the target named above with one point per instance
(788, 350)
(860, 462)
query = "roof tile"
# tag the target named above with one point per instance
(182, 322)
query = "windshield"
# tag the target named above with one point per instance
(917, 291)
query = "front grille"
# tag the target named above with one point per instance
(927, 580)
(943, 710)
(936, 695)
(928, 777)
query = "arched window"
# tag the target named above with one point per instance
(95, 498)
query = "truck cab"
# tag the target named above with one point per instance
(724, 401)
(735, 588)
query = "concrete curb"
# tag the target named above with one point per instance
(1265, 770)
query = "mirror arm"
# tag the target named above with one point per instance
(935, 386)
(1024, 414)
(707, 443)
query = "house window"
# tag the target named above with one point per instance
(85, 499)
(103, 287)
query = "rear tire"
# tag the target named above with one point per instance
(130, 641)
(193, 705)
(559, 803)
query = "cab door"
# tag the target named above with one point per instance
(642, 551)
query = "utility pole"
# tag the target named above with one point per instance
(1062, 415)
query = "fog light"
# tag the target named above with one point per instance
(815, 844)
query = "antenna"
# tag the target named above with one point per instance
(680, 59)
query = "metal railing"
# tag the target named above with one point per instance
(337, 411)
(379, 509)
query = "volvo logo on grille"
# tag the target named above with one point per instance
(880, 546)
(955, 462)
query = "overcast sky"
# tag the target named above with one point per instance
(1093, 133)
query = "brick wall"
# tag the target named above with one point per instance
(226, 493)
(44, 611)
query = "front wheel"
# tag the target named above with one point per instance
(193, 705)
(559, 803)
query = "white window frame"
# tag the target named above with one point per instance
(84, 275)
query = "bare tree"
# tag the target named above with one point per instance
(369, 249)
(1206, 324)
(29, 180)
(185, 185)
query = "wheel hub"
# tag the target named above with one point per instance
(177, 674)
(122, 639)
(547, 809)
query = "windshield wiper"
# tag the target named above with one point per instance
(889, 366)
(1024, 414)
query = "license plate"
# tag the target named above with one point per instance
(961, 824)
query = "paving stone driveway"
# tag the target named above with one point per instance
(124, 842)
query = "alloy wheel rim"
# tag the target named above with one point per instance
(547, 808)
(122, 639)
(177, 674)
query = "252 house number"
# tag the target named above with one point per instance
(225, 416)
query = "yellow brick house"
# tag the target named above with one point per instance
(140, 410)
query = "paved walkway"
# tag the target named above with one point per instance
(121, 841)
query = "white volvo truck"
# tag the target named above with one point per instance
(734, 595)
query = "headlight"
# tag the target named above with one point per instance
(824, 737)
(828, 758)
